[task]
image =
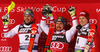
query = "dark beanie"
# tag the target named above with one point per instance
(61, 19)
(28, 11)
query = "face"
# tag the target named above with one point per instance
(59, 26)
(27, 18)
(82, 20)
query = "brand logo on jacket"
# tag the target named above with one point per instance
(58, 45)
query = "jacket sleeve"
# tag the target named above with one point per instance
(43, 25)
(10, 33)
(72, 31)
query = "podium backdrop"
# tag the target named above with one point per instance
(16, 17)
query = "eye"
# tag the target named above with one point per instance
(80, 18)
(61, 23)
(83, 18)
(24, 16)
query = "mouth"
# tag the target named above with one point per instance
(26, 21)
(58, 27)
(82, 22)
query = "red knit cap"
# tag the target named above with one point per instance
(84, 13)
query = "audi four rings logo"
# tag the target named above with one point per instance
(57, 45)
(93, 21)
(2, 35)
(5, 49)
(11, 21)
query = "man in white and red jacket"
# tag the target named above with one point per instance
(23, 31)
(61, 38)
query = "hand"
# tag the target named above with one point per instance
(72, 11)
(50, 13)
(50, 10)
(47, 7)
(5, 19)
(45, 13)
(47, 10)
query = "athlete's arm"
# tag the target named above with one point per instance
(43, 25)
(10, 33)
(6, 31)
(72, 31)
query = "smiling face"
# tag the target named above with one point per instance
(59, 26)
(83, 20)
(28, 18)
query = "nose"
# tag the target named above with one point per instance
(81, 20)
(26, 17)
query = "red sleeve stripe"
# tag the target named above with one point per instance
(5, 30)
(74, 19)
(43, 17)
(84, 36)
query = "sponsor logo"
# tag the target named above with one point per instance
(55, 37)
(93, 21)
(2, 35)
(59, 19)
(24, 30)
(92, 33)
(34, 30)
(11, 21)
(58, 45)
(5, 49)
(97, 10)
